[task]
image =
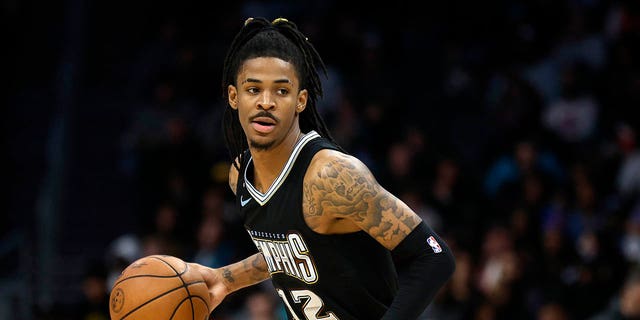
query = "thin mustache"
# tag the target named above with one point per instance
(265, 114)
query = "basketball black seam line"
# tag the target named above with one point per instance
(190, 297)
(142, 275)
(185, 299)
(184, 285)
(206, 303)
(149, 301)
(160, 296)
(154, 276)
(170, 266)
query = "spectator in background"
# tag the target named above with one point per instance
(572, 118)
(524, 214)
(408, 159)
(500, 274)
(514, 106)
(448, 194)
(585, 212)
(621, 79)
(549, 272)
(371, 143)
(552, 311)
(347, 123)
(95, 301)
(400, 162)
(630, 239)
(165, 236)
(213, 250)
(161, 151)
(457, 299)
(412, 196)
(525, 231)
(156, 55)
(260, 304)
(526, 158)
(121, 252)
(218, 209)
(628, 175)
(594, 276)
(625, 305)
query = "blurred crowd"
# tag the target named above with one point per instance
(509, 127)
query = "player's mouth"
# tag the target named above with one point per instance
(263, 123)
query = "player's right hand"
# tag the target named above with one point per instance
(213, 278)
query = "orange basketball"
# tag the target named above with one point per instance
(159, 287)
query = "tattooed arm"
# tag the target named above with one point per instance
(225, 280)
(341, 195)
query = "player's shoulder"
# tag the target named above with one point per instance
(334, 160)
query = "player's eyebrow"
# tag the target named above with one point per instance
(260, 81)
(251, 80)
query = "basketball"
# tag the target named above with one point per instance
(159, 287)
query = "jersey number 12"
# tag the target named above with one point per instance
(311, 307)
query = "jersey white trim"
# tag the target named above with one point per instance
(263, 198)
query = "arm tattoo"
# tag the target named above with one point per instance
(244, 273)
(257, 265)
(226, 273)
(344, 187)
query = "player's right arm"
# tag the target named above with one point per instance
(225, 280)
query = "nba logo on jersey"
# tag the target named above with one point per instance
(435, 246)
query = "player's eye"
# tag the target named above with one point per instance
(253, 90)
(282, 91)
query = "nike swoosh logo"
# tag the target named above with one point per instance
(244, 202)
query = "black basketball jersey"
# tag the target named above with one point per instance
(347, 276)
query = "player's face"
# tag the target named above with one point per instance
(268, 99)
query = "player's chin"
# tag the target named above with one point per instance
(261, 143)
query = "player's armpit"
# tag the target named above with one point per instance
(339, 186)
(233, 178)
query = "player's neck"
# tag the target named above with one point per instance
(267, 164)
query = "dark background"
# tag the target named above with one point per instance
(509, 126)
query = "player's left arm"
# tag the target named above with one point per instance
(342, 187)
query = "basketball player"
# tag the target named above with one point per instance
(335, 243)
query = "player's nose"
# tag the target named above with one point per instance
(266, 101)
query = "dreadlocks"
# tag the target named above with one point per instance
(279, 39)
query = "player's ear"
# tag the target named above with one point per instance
(303, 95)
(232, 93)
